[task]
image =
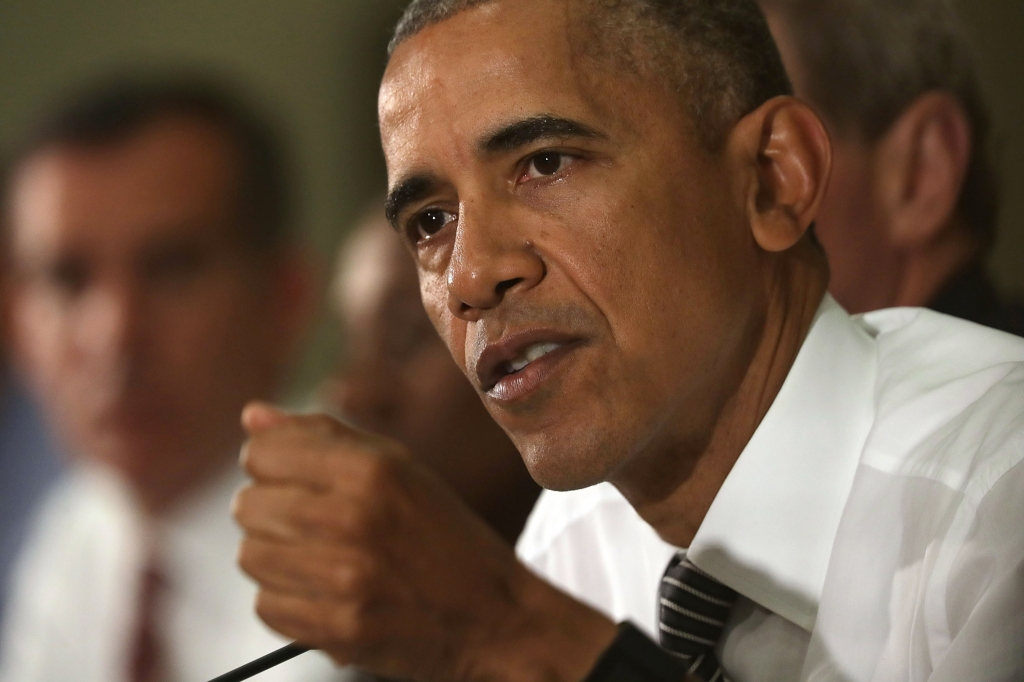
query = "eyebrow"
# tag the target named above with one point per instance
(529, 130)
(408, 191)
(506, 139)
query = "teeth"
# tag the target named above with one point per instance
(532, 353)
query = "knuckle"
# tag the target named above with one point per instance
(242, 505)
(256, 457)
(267, 607)
(359, 521)
(348, 624)
(325, 518)
(249, 557)
(304, 512)
(380, 473)
(322, 424)
(354, 577)
(245, 455)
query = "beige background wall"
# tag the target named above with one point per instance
(315, 64)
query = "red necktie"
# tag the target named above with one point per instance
(145, 663)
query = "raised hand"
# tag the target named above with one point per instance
(362, 552)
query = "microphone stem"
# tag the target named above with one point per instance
(274, 658)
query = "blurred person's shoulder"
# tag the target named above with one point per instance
(83, 520)
(85, 499)
(63, 575)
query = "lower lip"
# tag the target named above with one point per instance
(517, 386)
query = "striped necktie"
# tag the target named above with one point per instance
(692, 610)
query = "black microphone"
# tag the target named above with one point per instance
(275, 658)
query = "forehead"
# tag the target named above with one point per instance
(486, 66)
(171, 175)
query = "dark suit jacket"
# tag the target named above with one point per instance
(972, 296)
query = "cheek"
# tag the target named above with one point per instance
(43, 336)
(434, 294)
(660, 271)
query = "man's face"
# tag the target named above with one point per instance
(590, 267)
(136, 309)
(399, 379)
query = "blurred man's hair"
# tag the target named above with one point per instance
(718, 55)
(111, 111)
(866, 61)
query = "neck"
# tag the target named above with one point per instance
(795, 289)
(927, 269)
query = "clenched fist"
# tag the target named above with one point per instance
(363, 553)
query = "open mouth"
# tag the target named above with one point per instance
(530, 354)
(513, 368)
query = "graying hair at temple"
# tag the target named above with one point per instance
(867, 60)
(718, 55)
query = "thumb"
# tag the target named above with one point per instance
(259, 416)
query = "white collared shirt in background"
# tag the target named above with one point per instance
(74, 605)
(874, 525)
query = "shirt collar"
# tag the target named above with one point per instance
(770, 529)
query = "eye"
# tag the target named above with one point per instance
(69, 276)
(428, 223)
(546, 164)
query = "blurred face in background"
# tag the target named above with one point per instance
(889, 221)
(143, 321)
(864, 264)
(399, 380)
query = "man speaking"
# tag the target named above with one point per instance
(609, 204)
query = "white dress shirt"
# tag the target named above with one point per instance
(873, 525)
(75, 595)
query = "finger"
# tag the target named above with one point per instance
(337, 627)
(288, 513)
(270, 511)
(296, 449)
(258, 416)
(313, 571)
(302, 452)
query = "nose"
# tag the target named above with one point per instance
(492, 257)
(110, 323)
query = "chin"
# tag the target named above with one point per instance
(565, 462)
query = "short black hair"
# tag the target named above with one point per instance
(866, 61)
(114, 109)
(718, 55)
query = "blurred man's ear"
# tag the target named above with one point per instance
(789, 156)
(921, 165)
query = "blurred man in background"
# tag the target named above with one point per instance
(912, 207)
(400, 381)
(155, 292)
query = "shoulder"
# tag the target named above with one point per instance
(949, 399)
(81, 517)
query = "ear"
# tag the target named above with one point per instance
(921, 165)
(787, 149)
